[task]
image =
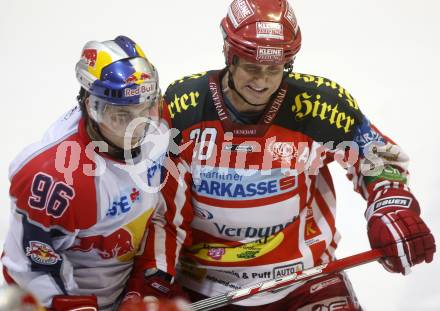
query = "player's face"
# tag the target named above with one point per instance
(256, 82)
(114, 121)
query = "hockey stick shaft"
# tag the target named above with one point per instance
(270, 285)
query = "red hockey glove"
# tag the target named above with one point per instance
(73, 303)
(159, 285)
(394, 225)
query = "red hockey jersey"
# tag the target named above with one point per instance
(248, 203)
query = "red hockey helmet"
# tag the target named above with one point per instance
(261, 31)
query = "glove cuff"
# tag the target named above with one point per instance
(390, 199)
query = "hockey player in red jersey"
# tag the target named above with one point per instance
(254, 199)
(79, 210)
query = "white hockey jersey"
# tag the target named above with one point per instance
(78, 216)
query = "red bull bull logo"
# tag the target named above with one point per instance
(90, 55)
(117, 244)
(137, 76)
(42, 253)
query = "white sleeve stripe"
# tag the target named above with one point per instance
(179, 202)
(400, 250)
(379, 193)
(405, 242)
(381, 184)
(159, 246)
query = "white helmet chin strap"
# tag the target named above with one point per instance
(96, 107)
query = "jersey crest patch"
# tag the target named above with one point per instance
(42, 253)
(282, 151)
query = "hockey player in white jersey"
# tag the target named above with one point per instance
(79, 211)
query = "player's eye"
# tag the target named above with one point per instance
(252, 69)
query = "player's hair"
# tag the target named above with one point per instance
(81, 98)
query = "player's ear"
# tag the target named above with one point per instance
(234, 64)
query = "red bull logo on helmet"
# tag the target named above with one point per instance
(137, 76)
(117, 244)
(42, 253)
(90, 55)
(149, 87)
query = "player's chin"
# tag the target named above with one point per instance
(257, 100)
(129, 143)
(255, 97)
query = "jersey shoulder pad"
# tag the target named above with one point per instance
(321, 108)
(51, 188)
(189, 80)
(186, 98)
